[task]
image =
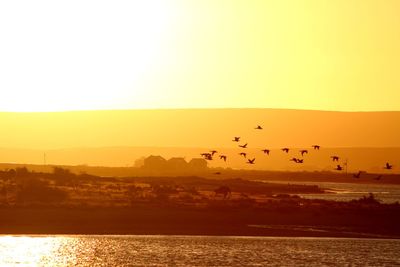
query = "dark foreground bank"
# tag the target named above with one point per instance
(174, 220)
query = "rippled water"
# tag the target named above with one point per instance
(386, 193)
(195, 251)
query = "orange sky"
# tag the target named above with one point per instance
(198, 128)
(313, 54)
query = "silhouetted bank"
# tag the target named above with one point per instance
(65, 203)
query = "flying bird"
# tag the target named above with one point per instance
(207, 156)
(388, 166)
(285, 150)
(335, 158)
(223, 157)
(316, 147)
(243, 154)
(296, 160)
(378, 177)
(266, 151)
(357, 175)
(251, 161)
(236, 139)
(243, 146)
(213, 152)
(339, 168)
(304, 151)
(258, 127)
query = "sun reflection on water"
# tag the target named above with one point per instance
(34, 251)
(195, 251)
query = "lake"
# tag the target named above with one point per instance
(195, 251)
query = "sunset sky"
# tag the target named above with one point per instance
(316, 54)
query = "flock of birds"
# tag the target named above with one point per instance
(210, 156)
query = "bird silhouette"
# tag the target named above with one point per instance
(285, 150)
(335, 158)
(378, 177)
(223, 157)
(357, 175)
(300, 160)
(388, 166)
(243, 154)
(316, 147)
(213, 152)
(266, 151)
(207, 156)
(258, 127)
(293, 159)
(304, 151)
(243, 146)
(236, 139)
(339, 168)
(251, 161)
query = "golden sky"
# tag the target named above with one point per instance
(315, 54)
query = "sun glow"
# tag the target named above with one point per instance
(78, 54)
(26, 250)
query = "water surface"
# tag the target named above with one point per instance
(386, 193)
(195, 251)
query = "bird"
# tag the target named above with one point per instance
(300, 160)
(243, 154)
(217, 173)
(209, 157)
(223, 157)
(251, 161)
(378, 177)
(266, 151)
(388, 166)
(293, 159)
(304, 151)
(316, 147)
(213, 152)
(357, 175)
(339, 168)
(243, 146)
(335, 158)
(258, 127)
(236, 139)
(285, 150)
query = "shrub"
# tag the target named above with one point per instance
(35, 190)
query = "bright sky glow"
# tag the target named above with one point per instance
(315, 54)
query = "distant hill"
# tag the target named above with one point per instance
(199, 128)
(118, 138)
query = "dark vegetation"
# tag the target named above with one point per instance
(223, 173)
(62, 187)
(65, 202)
